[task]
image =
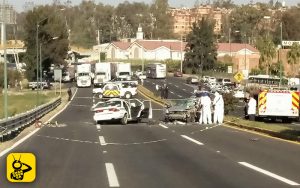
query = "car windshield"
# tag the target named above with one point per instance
(108, 104)
(182, 103)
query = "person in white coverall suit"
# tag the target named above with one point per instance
(205, 103)
(218, 104)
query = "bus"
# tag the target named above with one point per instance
(265, 81)
(156, 70)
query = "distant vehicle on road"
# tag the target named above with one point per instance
(156, 70)
(192, 80)
(116, 90)
(178, 74)
(122, 110)
(265, 81)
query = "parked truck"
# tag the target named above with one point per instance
(121, 70)
(279, 104)
(102, 73)
(84, 75)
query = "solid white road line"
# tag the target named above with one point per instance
(162, 125)
(275, 176)
(98, 127)
(102, 141)
(111, 175)
(192, 140)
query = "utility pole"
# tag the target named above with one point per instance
(181, 53)
(280, 83)
(37, 64)
(3, 41)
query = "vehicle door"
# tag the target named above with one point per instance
(136, 108)
(128, 109)
(147, 110)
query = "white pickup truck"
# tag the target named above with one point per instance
(116, 90)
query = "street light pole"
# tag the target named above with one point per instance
(37, 64)
(181, 53)
(5, 69)
(280, 83)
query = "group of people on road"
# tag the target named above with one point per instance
(164, 91)
(206, 106)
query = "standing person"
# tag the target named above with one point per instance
(157, 90)
(206, 109)
(166, 91)
(162, 92)
(69, 94)
(251, 108)
(218, 104)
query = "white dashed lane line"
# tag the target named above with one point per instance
(111, 175)
(98, 127)
(268, 173)
(102, 141)
(163, 126)
(192, 140)
(179, 96)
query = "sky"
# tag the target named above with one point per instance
(19, 4)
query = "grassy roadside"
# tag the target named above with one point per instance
(19, 102)
(272, 129)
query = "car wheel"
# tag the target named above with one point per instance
(124, 119)
(127, 95)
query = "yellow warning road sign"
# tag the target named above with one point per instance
(239, 76)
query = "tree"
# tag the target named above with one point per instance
(245, 19)
(50, 25)
(267, 51)
(293, 56)
(291, 24)
(163, 24)
(201, 50)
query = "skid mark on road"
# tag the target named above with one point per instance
(67, 139)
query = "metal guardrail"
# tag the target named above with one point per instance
(13, 125)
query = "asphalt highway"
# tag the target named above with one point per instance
(80, 154)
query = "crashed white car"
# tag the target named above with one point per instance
(122, 110)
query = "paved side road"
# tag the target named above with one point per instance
(81, 154)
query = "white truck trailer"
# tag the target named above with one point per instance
(121, 70)
(84, 75)
(102, 73)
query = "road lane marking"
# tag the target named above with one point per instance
(84, 97)
(111, 175)
(176, 85)
(162, 125)
(102, 141)
(268, 173)
(172, 92)
(179, 96)
(192, 140)
(98, 127)
(184, 89)
(80, 105)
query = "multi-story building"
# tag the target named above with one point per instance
(185, 17)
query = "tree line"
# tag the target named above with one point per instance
(258, 24)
